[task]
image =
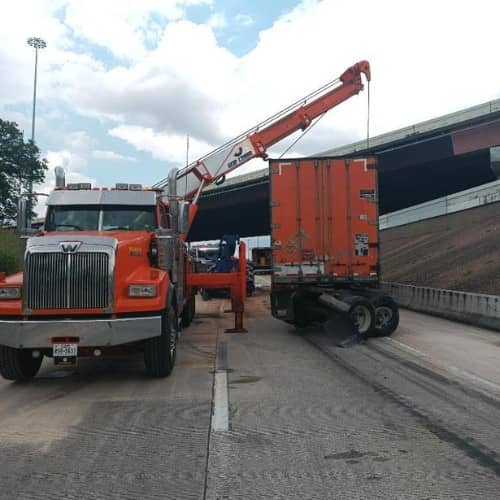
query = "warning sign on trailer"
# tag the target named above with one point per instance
(361, 245)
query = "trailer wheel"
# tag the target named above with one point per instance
(160, 352)
(18, 364)
(386, 316)
(362, 314)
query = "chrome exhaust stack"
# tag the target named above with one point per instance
(60, 177)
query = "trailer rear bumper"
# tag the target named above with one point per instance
(90, 332)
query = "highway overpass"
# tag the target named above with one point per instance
(418, 163)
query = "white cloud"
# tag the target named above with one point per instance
(77, 147)
(123, 27)
(70, 161)
(244, 19)
(175, 79)
(217, 20)
(167, 147)
(75, 167)
(173, 89)
(111, 155)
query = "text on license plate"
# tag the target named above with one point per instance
(65, 350)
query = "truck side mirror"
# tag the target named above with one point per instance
(23, 223)
(184, 216)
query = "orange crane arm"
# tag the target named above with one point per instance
(191, 180)
(302, 117)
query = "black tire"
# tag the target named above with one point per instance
(386, 316)
(250, 278)
(18, 364)
(188, 312)
(193, 307)
(160, 352)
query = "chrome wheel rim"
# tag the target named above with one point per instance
(383, 317)
(361, 318)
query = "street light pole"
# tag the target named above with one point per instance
(37, 43)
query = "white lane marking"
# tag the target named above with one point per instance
(453, 369)
(220, 418)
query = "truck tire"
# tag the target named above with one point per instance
(188, 312)
(18, 364)
(250, 278)
(160, 352)
(362, 314)
(386, 316)
(193, 308)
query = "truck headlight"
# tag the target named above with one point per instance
(10, 292)
(142, 291)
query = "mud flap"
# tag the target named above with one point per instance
(342, 331)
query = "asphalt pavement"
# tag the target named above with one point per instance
(272, 413)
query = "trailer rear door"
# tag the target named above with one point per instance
(324, 220)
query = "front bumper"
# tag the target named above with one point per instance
(91, 332)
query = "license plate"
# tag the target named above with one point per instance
(65, 350)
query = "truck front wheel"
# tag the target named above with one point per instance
(160, 352)
(18, 364)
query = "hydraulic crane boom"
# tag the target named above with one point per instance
(212, 167)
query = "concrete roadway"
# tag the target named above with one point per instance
(295, 417)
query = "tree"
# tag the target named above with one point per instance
(20, 168)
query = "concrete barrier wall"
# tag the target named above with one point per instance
(472, 308)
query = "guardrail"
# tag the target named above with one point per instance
(474, 197)
(472, 308)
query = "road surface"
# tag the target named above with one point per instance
(266, 414)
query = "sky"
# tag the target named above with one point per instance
(121, 84)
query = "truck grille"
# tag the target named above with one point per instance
(55, 280)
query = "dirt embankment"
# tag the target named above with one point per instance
(460, 251)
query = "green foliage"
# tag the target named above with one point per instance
(9, 251)
(8, 262)
(20, 167)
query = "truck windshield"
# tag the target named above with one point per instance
(101, 218)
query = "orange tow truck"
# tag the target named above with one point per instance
(110, 269)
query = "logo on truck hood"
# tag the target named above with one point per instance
(70, 246)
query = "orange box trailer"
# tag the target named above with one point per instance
(324, 220)
(324, 238)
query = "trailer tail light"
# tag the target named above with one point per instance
(142, 291)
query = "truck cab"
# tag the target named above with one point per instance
(91, 283)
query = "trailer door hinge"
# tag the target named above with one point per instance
(276, 225)
(275, 204)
